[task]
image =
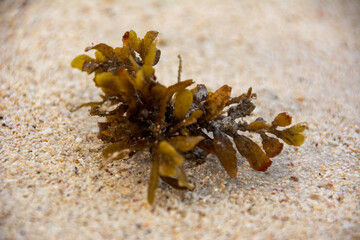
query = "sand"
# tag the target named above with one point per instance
(302, 57)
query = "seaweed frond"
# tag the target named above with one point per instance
(141, 114)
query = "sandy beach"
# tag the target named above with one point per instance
(300, 57)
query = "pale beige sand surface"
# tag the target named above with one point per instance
(302, 57)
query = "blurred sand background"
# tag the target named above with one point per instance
(302, 57)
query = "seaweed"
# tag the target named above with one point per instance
(141, 114)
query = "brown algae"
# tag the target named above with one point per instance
(174, 122)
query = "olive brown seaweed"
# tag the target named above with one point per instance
(175, 123)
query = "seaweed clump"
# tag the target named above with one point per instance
(175, 123)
